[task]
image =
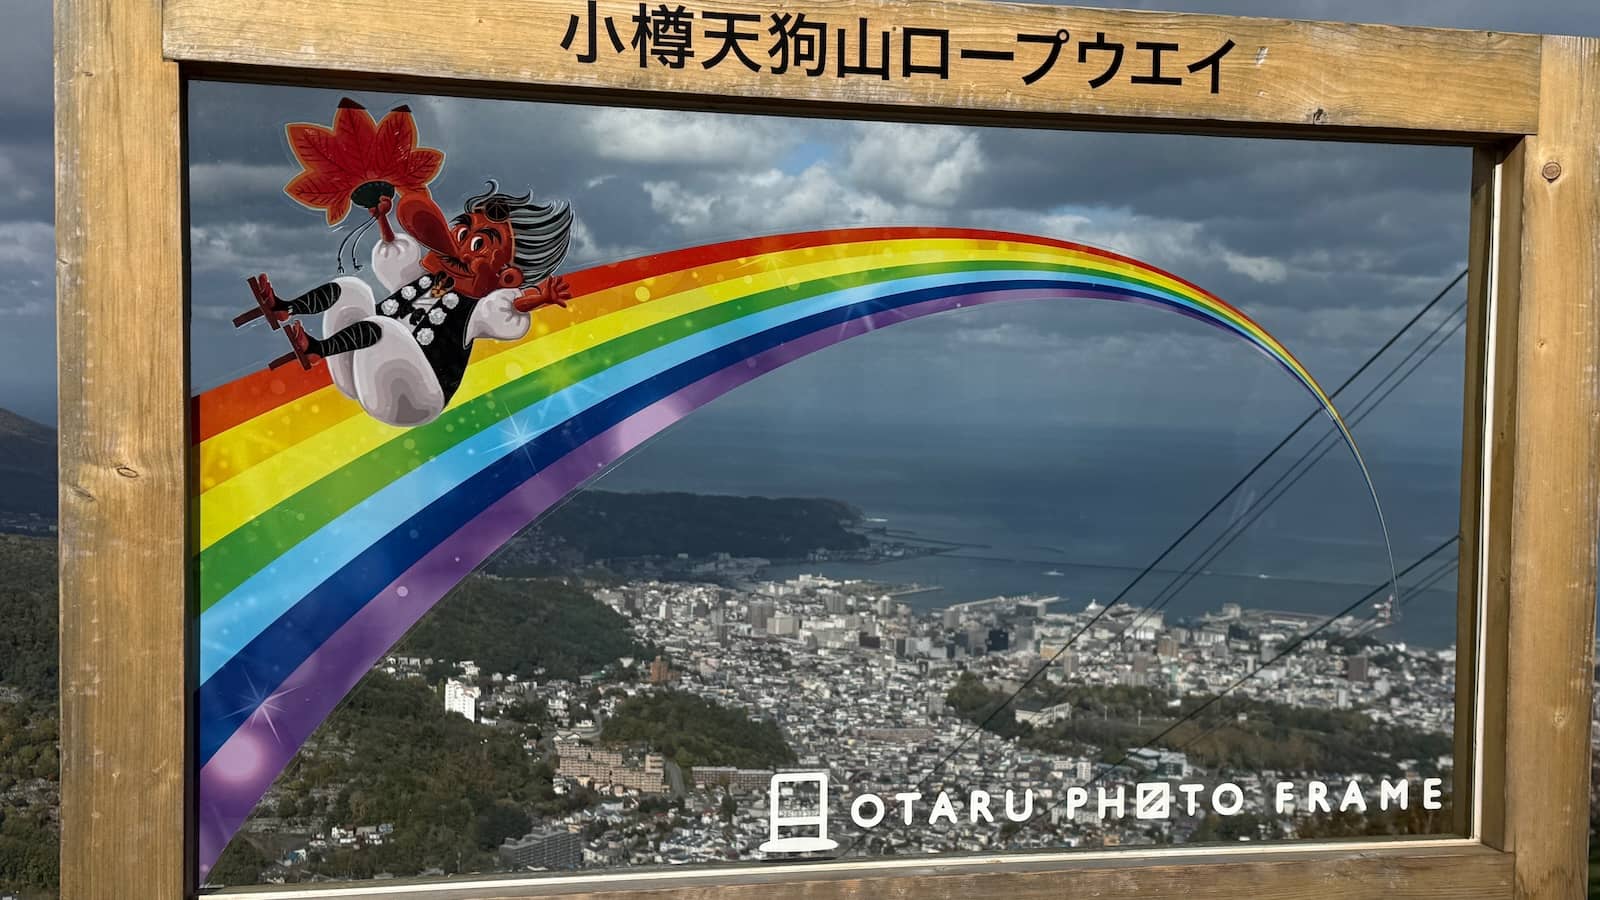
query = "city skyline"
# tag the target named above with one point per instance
(879, 697)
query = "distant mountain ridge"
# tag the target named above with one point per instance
(27, 466)
(612, 524)
(596, 524)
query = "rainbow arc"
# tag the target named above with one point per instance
(324, 535)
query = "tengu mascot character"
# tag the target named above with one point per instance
(446, 282)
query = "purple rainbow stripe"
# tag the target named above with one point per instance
(242, 770)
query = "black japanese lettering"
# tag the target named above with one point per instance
(1214, 63)
(1156, 48)
(862, 66)
(1056, 42)
(1101, 45)
(939, 37)
(665, 33)
(732, 38)
(798, 42)
(589, 54)
(972, 53)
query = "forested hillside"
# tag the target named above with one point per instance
(29, 763)
(452, 789)
(28, 609)
(516, 626)
(696, 732)
(27, 467)
(606, 525)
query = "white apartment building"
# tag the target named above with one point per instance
(462, 699)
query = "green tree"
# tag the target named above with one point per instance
(519, 626)
(696, 732)
(452, 789)
(501, 821)
(970, 700)
(241, 863)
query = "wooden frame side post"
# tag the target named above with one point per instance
(1554, 496)
(1489, 437)
(120, 335)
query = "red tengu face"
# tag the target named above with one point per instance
(482, 244)
(478, 248)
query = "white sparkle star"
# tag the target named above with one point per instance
(262, 706)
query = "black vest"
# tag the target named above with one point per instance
(437, 316)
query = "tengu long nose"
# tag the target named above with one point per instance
(423, 221)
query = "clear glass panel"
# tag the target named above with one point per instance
(29, 730)
(1078, 525)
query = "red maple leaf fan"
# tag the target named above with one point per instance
(358, 157)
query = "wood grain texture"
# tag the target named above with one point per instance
(121, 357)
(1402, 872)
(1313, 79)
(1495, 282)
(1555, 498)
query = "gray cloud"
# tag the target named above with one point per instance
(1363, 228)
(1331, 246)
(27, 292)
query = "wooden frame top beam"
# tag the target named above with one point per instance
(1287, 78)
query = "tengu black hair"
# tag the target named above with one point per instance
(541, 231)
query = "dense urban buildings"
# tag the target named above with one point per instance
(553, 849)
(886, 700)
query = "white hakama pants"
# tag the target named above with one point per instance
(392, 380)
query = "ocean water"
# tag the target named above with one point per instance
(1079, 511)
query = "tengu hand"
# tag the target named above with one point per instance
(368, 195)
(553, 291)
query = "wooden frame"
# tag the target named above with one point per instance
(1530, 105)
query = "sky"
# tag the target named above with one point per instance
(1253, 221)
(1332, 258)
(1330, 246)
